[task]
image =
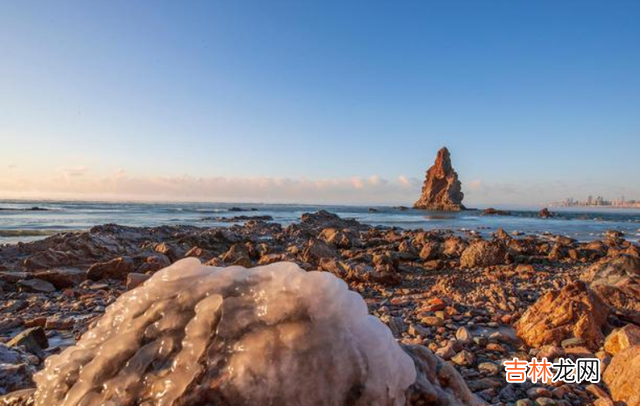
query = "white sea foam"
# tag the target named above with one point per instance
(271, 335)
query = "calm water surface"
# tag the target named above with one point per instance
(19, 225)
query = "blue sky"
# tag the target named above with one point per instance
(319, 101)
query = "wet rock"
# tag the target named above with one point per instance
(441, 189)
(482, 254)
(62, 278)
(574, 311)
(36, 286)
(622, 338)
(623, 375)
(34, 340)
(15, 370)
(117, 268)
(495, 212)
(544, 213)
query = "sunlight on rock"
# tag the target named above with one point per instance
(271, 335)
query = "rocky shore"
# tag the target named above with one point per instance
(461, 304)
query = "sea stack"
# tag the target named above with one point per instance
(441, 189)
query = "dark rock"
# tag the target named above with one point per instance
(495, 212)
(33, 339)
(117, 268)
(36, 286)
(62, 278)
(544, 213)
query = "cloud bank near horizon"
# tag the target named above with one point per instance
(80, 183)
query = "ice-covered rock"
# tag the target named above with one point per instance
(270, 335)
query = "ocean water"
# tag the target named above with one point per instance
(19, 223)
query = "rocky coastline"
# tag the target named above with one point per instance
(461, 304)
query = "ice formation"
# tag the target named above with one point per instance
(198, 335)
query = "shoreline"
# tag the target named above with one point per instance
(460, 296)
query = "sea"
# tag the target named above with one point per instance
(24, 221)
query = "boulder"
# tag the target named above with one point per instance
(63, 278)
(316, 250)
(483, 253)
(117, 268)
(495, 212)
(337, 238)
(617, 282)
(622, 376)
(622, 338)
(544, 213)
(15, 371)
(441, 189)
(574, 311)
(36, 286)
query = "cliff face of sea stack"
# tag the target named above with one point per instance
(441, 189)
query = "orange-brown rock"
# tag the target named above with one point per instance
(622, 376)
(622, 338)
(441, 189)
(483, 253)
(574, 311)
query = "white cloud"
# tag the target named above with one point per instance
(79, 183)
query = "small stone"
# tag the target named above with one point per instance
(538, 392)
(434, 304)
(573, 342)
(432, 321)
(464, 335)
(464, 358)
(36, 286)
(446, 352)
(418, 330)
(489, 368)
(58, 323)
(560, 391)
(524, 402)
(495, 347)
(544, 401)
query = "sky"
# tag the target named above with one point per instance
(318, 101)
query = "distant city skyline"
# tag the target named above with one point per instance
(318, 101)
(596, 201)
